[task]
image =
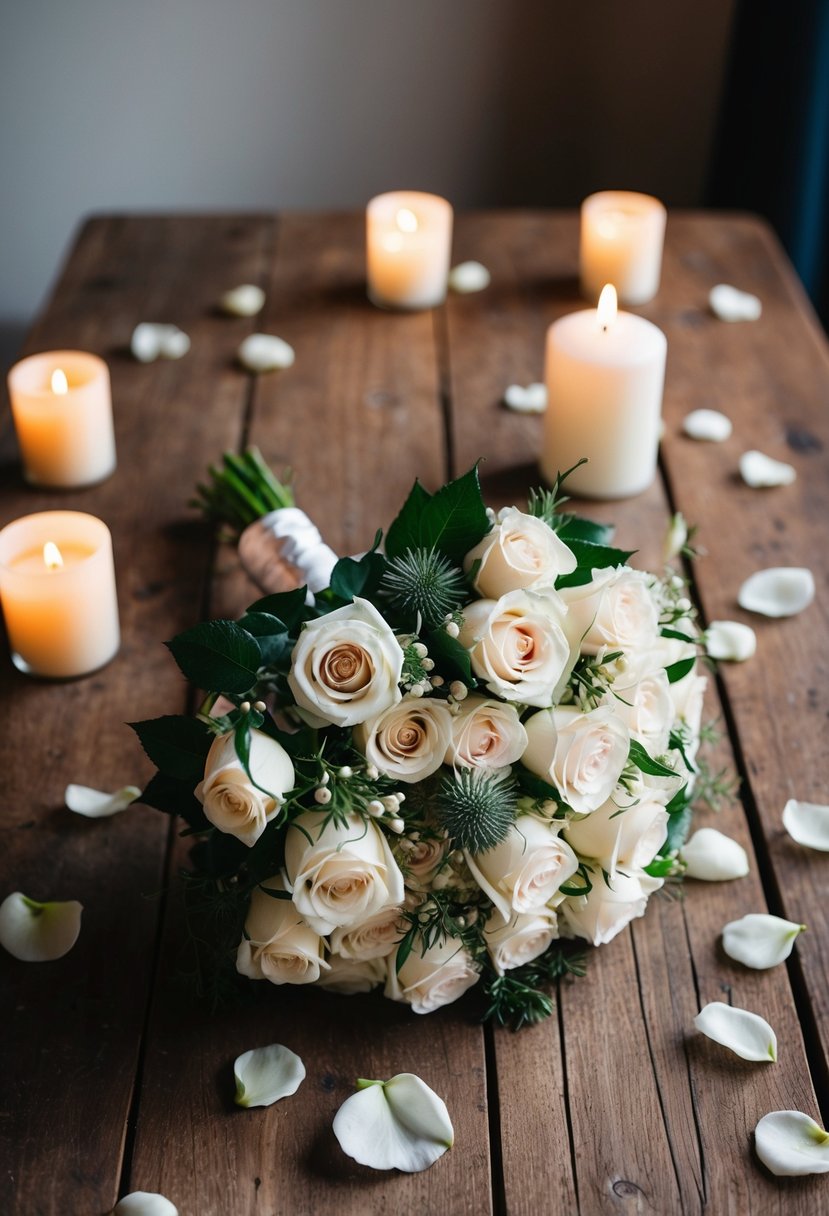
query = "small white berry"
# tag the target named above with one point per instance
(375, 808)
(458, 690)
(676, 581)
(322, 795)
(684, 604)
(245, 707)
(453, 629)
(440, 881)
(400, 797)
(428, 664)
(397, 825)
(461, 922)
(437, 681)
(414, 837)
(260, 706)
(371, 772)
(456, 857)
(420, 650)
(324, 779)
(390, 803)
(416, 690)
(345, 772)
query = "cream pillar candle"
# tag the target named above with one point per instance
(62, 409)
(408, 248)
(605, 374)
(57, 589)
(622, 235)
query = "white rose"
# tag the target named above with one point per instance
(524, 872)
(511, 943)
(648, 709)
(616, 837)
(606, 910)
(278, 945)
(518, 646)
(424, 860)
(485, 734)
(615, 611)
(438, 977)
(407, 741)
(582, 755)
(351, 975)
(520, 553)
(340, 874)
(232, 802)
(345, 667)
(372, 938)
(688, 695)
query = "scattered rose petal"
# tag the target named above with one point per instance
(746, 1034)
(266, 1074)
(730, 640)
(729, 304)
(95, 804)
(707, 424)
(468, 277)
(778, 591)
(265, 353)
(759, 940)
(151, 341)
(529, 400)
(145, 1203)
(807, 823)
(789, 1144)
(243, 301)
(675, 537)
(398, 1124)
(713, 857)
(759, 471)
(38, 933)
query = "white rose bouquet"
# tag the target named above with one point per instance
(471, 747)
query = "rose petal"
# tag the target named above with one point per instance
(713, 857)
(807, 823)
(529, 400)
(675, 537)
(746, 1034)
(730, 640)
(758, 470)
(789, 1144)
(729, 304)
(760, 941)
(468, 277)
(243, 301)
(778, 591)
(145, 1203)
(151, 341)
(265, 353)
(95, 804)
(266, 1074)
(38, 933)
(707, 424)
(398, 1124)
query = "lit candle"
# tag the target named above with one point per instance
(62, 409)
(408, 247)
(622, 235)
(57, 589)
(605, 375)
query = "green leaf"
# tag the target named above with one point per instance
(534, 786)
(678, 828)
(289, 606)
(578, 888)
(175, 797)
(452, 521)
(677, 671)
(573, 527)
(674, 633)
(219, 656)
(646, 764)
(404, 532)
(362, 578)
(450, 657)
(660, 867)
(680, 801)
(275, 643)
(405, 948)
(590, 557)
(177, 745)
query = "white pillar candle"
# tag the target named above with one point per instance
(622, 235)
(605, 375)
(57, 589)
(62, 408)
(408, 248)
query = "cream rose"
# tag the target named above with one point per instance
(232, 802)
(485, 734)
(621, 837)
(424, 860)
(407, 741)
(615, 611)
(350, 975)
(582, 755)
(372, 938)
(340, 874)
(648, 710)
(438, 977)
(521, 552)
(518, 646)
(606, 910)
(511, 943)
(346, 666)
(524, 872)
(278, 945)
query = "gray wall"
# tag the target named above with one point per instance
(204, 104)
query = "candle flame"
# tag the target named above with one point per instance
(606, 312)
(52, 558)
(60, 385)
(406, 220)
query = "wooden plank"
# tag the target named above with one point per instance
(357, 417)
(650, 1111)
(72, 1028)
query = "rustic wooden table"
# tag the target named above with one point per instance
(113, 1080)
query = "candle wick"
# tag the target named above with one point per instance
(604, 329)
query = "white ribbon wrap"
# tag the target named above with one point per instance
(284, 550)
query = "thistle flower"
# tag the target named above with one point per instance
(477, 807)
(424, 581)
